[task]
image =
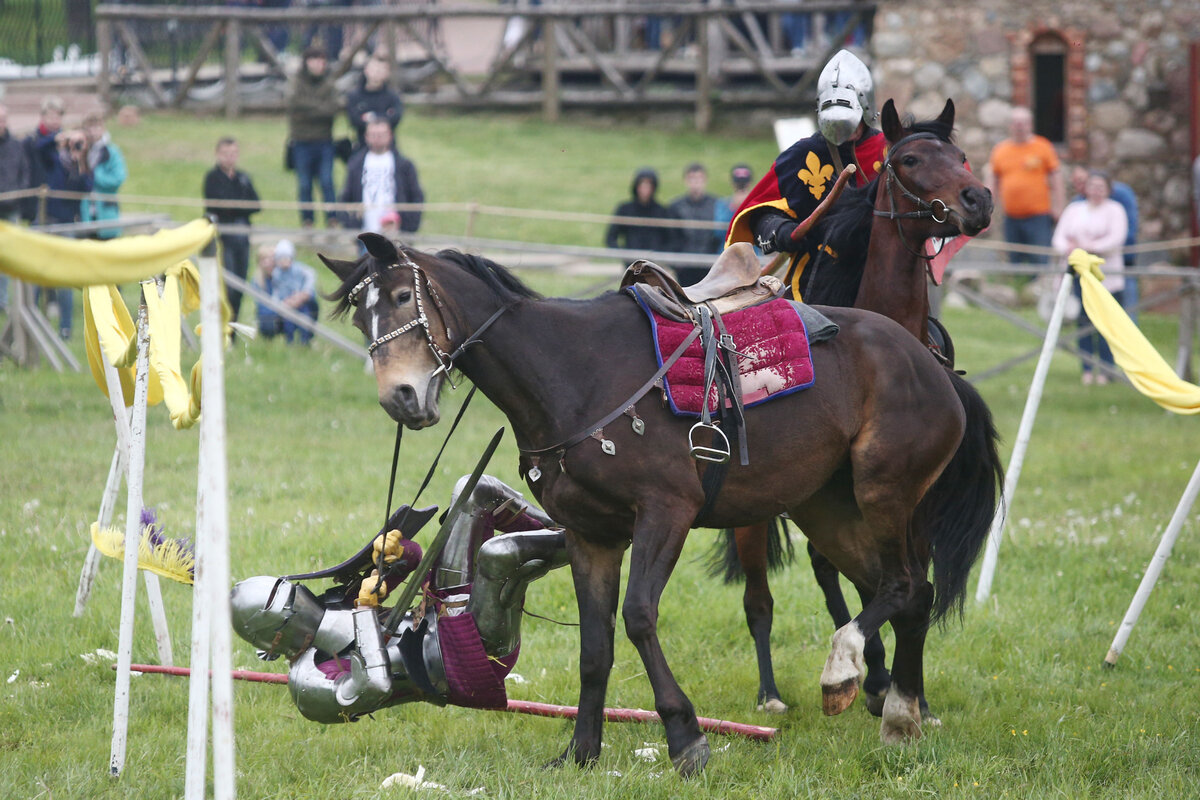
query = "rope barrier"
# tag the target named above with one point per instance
(478, 209)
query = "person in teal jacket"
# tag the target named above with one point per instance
(107, 166)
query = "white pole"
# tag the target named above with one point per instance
(197, 736)
(212, 526)
(158, 614)
(108, 501)
(990, 556)
(133, 531)
(1155, 568)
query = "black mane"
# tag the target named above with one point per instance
(846, 230)
(506, 285)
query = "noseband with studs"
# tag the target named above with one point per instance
(445, 360)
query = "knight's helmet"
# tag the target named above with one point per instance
(282, 618)
(845, 97)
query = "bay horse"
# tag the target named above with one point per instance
(855, 459)
(879, 233)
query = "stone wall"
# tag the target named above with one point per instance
(1132, 112)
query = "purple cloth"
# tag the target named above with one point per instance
(475, 681)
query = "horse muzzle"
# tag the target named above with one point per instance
(974, 210)
(406, 405)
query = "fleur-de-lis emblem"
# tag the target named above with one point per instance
(815, 175)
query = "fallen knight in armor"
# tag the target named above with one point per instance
(456, 648)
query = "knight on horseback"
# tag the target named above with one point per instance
(803, 174)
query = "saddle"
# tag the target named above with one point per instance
(732, 283)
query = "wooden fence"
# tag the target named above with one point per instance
(561, 54)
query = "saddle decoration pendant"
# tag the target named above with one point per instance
(605, 444)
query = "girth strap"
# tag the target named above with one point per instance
(562, 447)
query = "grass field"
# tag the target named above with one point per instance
(1027, 710)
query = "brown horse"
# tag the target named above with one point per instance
(879, 233)
(855, 459)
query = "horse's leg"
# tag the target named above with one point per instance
(658, 538)
(759, 606)
(901, 709)
(596, 571)
(875, 686)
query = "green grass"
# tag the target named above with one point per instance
(1028, 711)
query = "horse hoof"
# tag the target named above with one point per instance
(901, 719)
(874, 702)
(692, 759)
(899, 733)
(773, 706)
(836, 699)
(570, 755)
(930, 719)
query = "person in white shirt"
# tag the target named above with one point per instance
(378, 177)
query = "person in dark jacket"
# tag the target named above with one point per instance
(373, 99)
(69, 172)
(378, 176)
(225, 182)
(41, 149)
(698, 205)
(14, 176)
(632, 236)
(312, 104)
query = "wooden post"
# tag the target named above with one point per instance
(389, 40)
(212, 630)
(551, 103)
(104, 43)
(233, 62)
(1024, 432)
(133, 534)
(703, 81)
(108, 502)
(1154, 569)
(1189, 325)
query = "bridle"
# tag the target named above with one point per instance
(937, 210)
(445, 360)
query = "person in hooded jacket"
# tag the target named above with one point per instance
(373, 100)
(631, 236)
(312, 104)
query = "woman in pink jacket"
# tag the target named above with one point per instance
(1097, 224)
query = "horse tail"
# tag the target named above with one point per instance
(956, 513)
(723, 561)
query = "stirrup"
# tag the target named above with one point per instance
(702, 453)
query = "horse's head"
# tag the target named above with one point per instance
(927, 178)
(393, 302)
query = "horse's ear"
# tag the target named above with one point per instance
(381, 247)
(890, 120)
(947, 115)
(338, 267)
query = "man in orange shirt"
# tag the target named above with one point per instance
(1026, 170)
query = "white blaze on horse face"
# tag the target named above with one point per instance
(372, 299)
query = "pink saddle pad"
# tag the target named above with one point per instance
(771, 335)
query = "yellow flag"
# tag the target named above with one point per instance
(1147, 370)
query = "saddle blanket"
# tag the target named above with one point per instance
(773, 338)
